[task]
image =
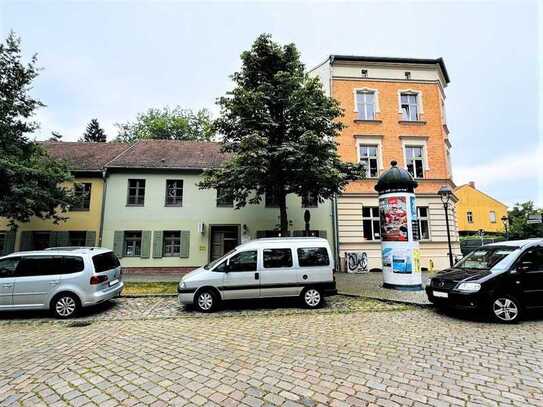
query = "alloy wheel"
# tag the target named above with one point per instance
(205, 301)
(505, 309)
(65, 306)
(312, 297)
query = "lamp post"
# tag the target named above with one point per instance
(505, 221)
(445, 194)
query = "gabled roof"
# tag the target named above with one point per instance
(170, 154)
(463, 186)
(84, 156)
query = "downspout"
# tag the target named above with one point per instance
(335, 223)
(104, 191)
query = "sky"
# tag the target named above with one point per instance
(112, 60)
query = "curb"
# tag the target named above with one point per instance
(387, 300)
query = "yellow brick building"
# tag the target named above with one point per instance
(476, 210)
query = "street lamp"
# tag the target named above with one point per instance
(505, 221)
(445, 193)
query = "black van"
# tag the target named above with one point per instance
(503, 279)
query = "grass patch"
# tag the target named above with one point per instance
(135, 288)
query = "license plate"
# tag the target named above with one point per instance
(113, 282)
(441, 294)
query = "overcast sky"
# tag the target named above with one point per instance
(111, 60)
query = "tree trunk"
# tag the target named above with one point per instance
(283, 213)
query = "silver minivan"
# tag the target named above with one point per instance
(262, 268)
(61, 279)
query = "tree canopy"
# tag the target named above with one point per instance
(280, 131)
(94, 133)
(168, 124)
(519, 228)
(31, 181)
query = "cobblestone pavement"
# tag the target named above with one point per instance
(407, 356)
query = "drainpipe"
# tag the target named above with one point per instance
(335, 232)
(104, 191)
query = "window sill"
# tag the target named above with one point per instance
(413, 122)
(173, 206)
(135, 205)
(372, 121)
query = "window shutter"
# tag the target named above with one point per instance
(9, 242)
(26, 241)
(53, 239)
(322, 233)
(298, 233)
(145, 244)
(63, 239)
(260, 234)
(185, 244)
(90, 238)
(118, 241)
(157, 244)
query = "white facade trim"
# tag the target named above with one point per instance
(371, 140)
(416, 142)
(374, 91)
(419, 99)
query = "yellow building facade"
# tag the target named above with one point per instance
(476, 210)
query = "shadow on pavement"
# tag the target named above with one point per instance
(257, 304)
(45, 314)
(481, 317)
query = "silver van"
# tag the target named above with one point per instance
(275, 267)
(61, 279)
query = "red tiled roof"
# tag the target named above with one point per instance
(84, 156)
(170, 154)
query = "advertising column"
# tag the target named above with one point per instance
(399, 230)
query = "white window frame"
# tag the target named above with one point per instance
(371, 219)
(420, 106)
(372, 141)
(376, 101)
(469, 217)
(410, 141)
(490, 218)
(368, 175)
(427, 218)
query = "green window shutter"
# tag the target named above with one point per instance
(9, 242)
(26, 241)
(118, 242)
(145, 244)
(53, 239)
(322, 233)
(185, 244)
(157, 244)
(90, 238)
(63, 239)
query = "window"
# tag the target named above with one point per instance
(243, 261)
(313, 257)
(39, 266)
(407, 75)
(409, 106)
(469, 216)
(71, 264)
(223, 199)
(492, 216)
(82, 192)
(310, 200)
(174, 192)
(365, 105)
(136, 192)
(368, 157)
(364, 73)
(8, 266)
(132, 244)
(172, 244)
(370, 223)
(77, 238)
(272, 198)
(424, 225)
(414, 156)
(2, 241)
(277, 258)
(105, 261)
(533, 259)
(40, 240)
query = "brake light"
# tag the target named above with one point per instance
(98, 279)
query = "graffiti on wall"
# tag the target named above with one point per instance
(356, 262)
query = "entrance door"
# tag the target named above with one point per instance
(223, 240)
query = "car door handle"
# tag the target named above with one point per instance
(257, 276)
(53, 282)
(8, 285)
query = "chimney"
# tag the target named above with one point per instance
(472, 184)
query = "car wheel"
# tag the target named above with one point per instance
(506, 309)
(206, 301)
(312, 297)
(65, 306)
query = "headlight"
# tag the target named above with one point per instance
(429, 281)
(470, 287)
(182, 285)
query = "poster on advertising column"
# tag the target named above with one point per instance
(393, 216)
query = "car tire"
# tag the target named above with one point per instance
(65, 306)
(312, 297)
(505, 309)
(206, 301)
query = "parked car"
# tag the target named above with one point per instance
(61, 279)
(503, 279)
(263, 268)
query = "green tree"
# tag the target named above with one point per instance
(55, 136)
(168, 124)
(519, 228)
(94, 133)
(31, 180)
(280, 131)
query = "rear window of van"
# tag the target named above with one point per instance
(313, 257)
(105, 261)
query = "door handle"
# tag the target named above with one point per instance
(53, 282)
(257, 276)
(8, 285)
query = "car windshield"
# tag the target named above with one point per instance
(485, 258)
(212, 264)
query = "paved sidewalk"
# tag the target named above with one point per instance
(370, 285)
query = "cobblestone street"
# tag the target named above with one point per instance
(353, 352)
